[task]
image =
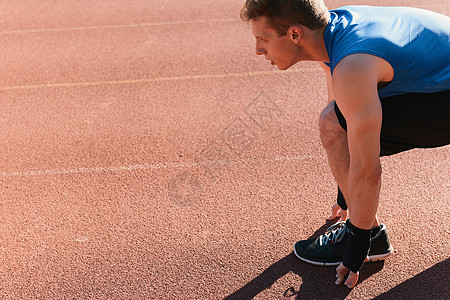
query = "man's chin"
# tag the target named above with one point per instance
(283, 68)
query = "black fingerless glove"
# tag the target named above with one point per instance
(341, 200)
(357, 247)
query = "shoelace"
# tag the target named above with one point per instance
(334, 233)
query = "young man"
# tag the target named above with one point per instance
(388, 72)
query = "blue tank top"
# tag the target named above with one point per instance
(414, 41)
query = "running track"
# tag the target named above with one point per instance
(148, 153)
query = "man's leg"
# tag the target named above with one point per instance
(334, 140)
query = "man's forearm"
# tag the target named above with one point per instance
(364, 189)
(364, 192)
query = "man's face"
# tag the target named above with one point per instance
(281, 51)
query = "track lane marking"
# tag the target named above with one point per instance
(150, 80)
(156, 166)
(117, 26)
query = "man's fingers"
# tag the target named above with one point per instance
(332, 217)
(339, 280)
(334, 212)
(340, 213)
(352, 279)
(343, 214)
(341, 271)
(337, 211)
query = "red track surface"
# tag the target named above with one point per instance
(148, 153)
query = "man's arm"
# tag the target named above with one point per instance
(355, 86)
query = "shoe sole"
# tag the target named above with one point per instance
(370, 258)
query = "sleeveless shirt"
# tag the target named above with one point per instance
(415, 42)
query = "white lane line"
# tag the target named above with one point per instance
(150, 80)
(140, 167)
(118, 26)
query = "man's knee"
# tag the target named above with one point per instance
(330, 129)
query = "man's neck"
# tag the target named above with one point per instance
(319, 45)
(319, 42)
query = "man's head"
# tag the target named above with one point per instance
(279, 27)
(282, 14)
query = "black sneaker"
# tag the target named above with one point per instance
(380, 247)
(328, 249)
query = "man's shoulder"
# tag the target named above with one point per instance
(362, 14)
(355, 67)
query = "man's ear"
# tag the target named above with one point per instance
(295, 33)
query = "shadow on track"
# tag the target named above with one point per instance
(433, 283)
(317, 281)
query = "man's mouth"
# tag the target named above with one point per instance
(271, 61)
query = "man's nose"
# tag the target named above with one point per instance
(260, 51)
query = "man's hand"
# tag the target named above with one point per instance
(352, 278)
(337, 211)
